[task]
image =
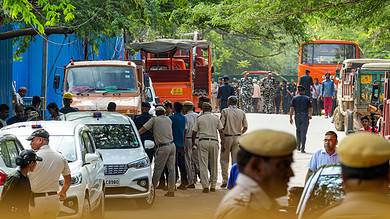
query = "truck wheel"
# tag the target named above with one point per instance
(338, 119)
(348, 123)
(148, 201)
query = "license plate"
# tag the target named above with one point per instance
(112, 182)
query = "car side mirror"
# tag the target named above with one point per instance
(56, 82)
(212, 69)
(157, 100)
(91, 158)
(148, 144)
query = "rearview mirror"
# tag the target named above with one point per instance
(91, 158)
(148, 144)
(157, 100)
(56, 82)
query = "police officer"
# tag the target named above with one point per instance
(234, 124)
(44, 179)
(191, 116)
(207, 126)
(161, 127)
(224, 92)
(16, 193)
(139, 122)
(302, 109)
(268, 89)
(364, 159)
(264, 162)
(67, 99)
(246, 94)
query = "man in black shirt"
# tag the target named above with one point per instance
(224, 92)
(139, 122)
(4, 113)
(19, 115)
(301, 107)
(67, 100)
(307, 82)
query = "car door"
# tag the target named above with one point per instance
(93, 169)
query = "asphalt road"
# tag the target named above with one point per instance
(191, 204)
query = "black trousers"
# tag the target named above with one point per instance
(181, 165)
(278, 100)
(316, 107)
(286, 104)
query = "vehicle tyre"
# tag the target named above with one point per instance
(348, 123)
(99, 212)
(86, 211)
(148, 201)
(338, 119)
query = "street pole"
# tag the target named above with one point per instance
(44, 73)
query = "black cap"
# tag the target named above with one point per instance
(307, 71)
(226, 77)
(27, 156)
(38, 133)
(145, 104)
(301, 88)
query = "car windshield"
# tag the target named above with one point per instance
(327, 53)
(327, 192)
(101, 78)
(114, 136)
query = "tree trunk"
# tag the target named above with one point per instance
(32, 32)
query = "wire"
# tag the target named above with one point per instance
(52, 42)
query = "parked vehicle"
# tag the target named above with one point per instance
(347, 95)
(10, 148)
(385, 122)
(128, 172)
(75, 142)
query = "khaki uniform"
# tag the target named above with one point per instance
(361, 205)
(247, 200)
(44, 180)
(166, 150)
(233, 120)
(190, 122)
(207, 126)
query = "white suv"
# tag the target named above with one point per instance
(126, 165)
(74, 141)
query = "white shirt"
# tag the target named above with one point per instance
(322, 158)
(47, 173)
(256, 91)
(190, 122)
(19, 99)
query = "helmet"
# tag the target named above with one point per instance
(27, 156)
(68, 96)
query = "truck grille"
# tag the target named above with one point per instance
(115, 169)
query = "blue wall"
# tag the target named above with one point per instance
(5, 68)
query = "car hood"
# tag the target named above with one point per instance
(122, 156)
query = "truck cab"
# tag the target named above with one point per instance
(94, 84)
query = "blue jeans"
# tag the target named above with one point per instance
(301, 123)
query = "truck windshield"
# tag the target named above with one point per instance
(101, 78)
(114, 136)
(330, 54)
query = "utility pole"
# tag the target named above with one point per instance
(44, 73)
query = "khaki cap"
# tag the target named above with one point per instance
(363, 150)
(268, 143)
(187, 103)
(160, 108)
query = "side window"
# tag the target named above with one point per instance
(91, 139)
(12, 151)
(148, 95)
(87, 143)
(83, 146)
(4, 154)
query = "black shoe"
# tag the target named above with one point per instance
(212, 189)
(206, 190)
(182, 187)
(192, 186)
(170, 194)
(298, 148)
(303, 151)
(223, 185)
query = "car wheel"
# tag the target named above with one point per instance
(148, 201)
(99, 212)
(86, 209)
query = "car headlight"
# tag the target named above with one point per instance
(144, 162)
(75, 179)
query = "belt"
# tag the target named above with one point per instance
(188, 137)
(232, 135)
(164, 144)
(44, 194)
(208, 139)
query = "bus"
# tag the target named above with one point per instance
(321, 56)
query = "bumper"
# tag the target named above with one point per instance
(135, 183)
(72, 206)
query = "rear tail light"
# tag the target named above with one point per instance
(3, 177)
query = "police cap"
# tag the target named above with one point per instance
(268, 143)
(38, 133)
(301, 88)
(188, 103)
(160, 108)
(363, 150)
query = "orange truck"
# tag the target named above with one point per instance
(94, 84)
(321, 56)
(179, 68)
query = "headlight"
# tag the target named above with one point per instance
(144, 162)
(75, 180)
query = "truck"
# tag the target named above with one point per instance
(94, 84)
(385, 122)
(360, 91)
(179, 68)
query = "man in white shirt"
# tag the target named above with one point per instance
(19, 96)
(256, 96)
(44, 179)
(325, 156)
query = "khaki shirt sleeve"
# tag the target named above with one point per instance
(244, 121)
(66, 170)
(149, 124)
(220, 126)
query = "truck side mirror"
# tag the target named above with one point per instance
(56, 82)
(212, 69)
(146, 80)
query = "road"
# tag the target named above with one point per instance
(193, 204)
